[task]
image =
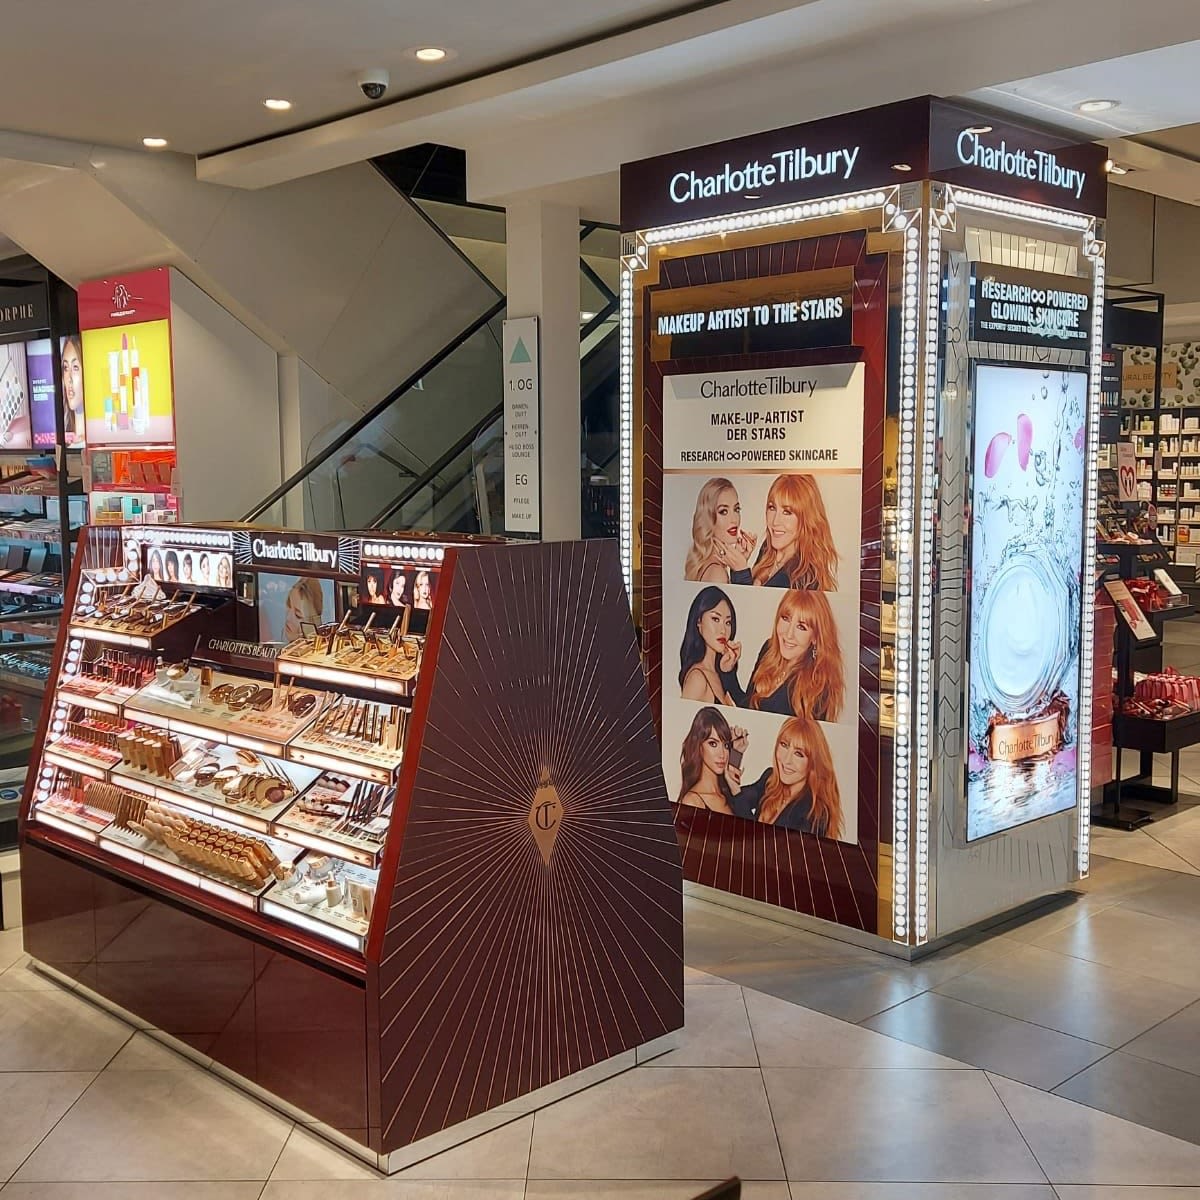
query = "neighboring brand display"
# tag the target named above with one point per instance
(42, 392)
(1026, 559)
(15, 431)
(522, 427)
(1126, 473)
(780, 312)
(126, 332)
(1013, 307)
(762, 518)
(24, 308)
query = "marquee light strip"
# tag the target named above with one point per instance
(906, 508)
(625, 532)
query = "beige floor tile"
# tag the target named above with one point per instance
(1132, 941)
(132, 1191)
(1180, 836)
(660, 1123)
(1137, 847)
(694, 978)
(144, 1053)
(716, 1032)
(898, 1126)
(1075, 1144)
(922, 1191)
(787, 1035)
(56, 1031)
(1085, 999)
(160, 1125)
(30, 1106)
(501, 1154)
(400, 1189)
(1088, 1192)
(308, 1157)
(644, 1189)
(21, 977)
(11, 947)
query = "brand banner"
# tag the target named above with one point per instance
(1030, 308)
(125, 299)
(762, 529)
(780, 312)
(24, 308)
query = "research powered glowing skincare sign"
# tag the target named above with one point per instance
(1026, 561)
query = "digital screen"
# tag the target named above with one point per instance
(389, 587)
(42, 392)
(1030, 431)
(15, 432)
(286, 603)
(127, 393)
(191, 568)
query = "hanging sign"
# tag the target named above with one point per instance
(522, 427)
(1024, 308)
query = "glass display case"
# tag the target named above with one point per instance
(372, 766)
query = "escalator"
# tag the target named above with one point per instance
(430, 454)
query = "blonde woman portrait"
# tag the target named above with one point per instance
(798, 550)
(720, 545)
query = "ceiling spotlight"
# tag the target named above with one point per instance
(1095, 106)
(978, 129)
(154, 143)
(1116, 168)
(430, 54)
(587, 316)
(277, 105)
(901, 167)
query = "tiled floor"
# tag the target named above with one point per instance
(1055, 1058)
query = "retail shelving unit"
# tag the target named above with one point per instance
(375, 823)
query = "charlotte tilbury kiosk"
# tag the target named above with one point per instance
(861, 365)
(340, 815)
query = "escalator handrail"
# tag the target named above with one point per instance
(438, 467)
(377, 409)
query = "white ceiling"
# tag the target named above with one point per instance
(197, 71)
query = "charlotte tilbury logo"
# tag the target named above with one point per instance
(545, 815)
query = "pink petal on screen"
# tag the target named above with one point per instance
(996, 450)
(1079, 439)
(1024, 440)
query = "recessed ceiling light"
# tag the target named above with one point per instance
(751, 196)
(587, 316)
(1117, 169)
(154, 143)
(901, 167)
(1095, 106)
(429, 54)
(277, 105)
(978, 129)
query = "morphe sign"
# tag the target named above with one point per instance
(923, 138)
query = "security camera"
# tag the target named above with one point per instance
(374, 83)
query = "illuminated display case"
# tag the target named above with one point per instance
(305, 803)
(861, 369)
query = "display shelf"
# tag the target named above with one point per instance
(366, 887)
(325, 669)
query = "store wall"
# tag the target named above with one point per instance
(226, 407)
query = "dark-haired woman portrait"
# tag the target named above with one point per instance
(709, 654)
(704, 762)
(800, 788)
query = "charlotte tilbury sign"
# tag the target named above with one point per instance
(922, 138)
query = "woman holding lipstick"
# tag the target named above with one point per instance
(720, 545)
(800, 788)
(709, 654)
(704, 762)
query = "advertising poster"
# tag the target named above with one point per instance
(42, 392)
(15, 433)
(762, 516)
(1026, 560)
(286, 603)
(190, 567)
(127, 385)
